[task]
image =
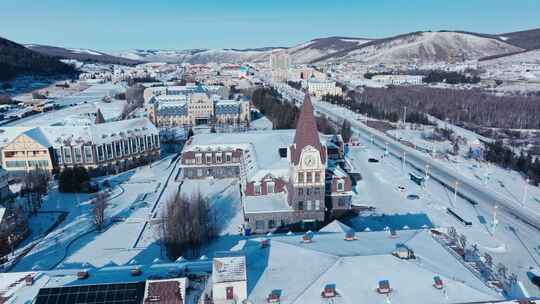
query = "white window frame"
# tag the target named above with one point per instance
(257, 189)
(270, 186)
(340, 185)
(88, 159)
(64, 149)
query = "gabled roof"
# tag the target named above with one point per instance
(306, 132)
(38, 136)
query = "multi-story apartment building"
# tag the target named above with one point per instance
(101, 149)
(283, 173)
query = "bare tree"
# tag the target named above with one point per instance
(34, 185)
(100, 204)
(188, 224)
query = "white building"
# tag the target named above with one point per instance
(229, 278)
(323, 87)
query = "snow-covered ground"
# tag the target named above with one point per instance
(224, 197)
(79, 107)
(133, 200)
(261, 123)
(386, 186)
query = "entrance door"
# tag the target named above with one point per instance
(230, 293)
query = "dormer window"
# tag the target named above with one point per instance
(340, 185)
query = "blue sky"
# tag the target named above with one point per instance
(113, 25)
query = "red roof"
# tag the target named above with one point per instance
(306, 132)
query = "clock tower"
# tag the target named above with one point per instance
(307, 167)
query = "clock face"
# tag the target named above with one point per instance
(309, 160)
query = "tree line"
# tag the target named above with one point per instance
(503, 156)
(468, 108)
(372, 110)
(282, 114)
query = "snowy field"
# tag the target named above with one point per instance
(84, 103)
(386, 186)
(134, 199)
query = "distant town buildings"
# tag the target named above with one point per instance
(279, 63)
(284, 174)
(323, 87)
(103, 148)
(398, 79)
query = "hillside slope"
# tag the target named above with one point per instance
(16, 60)
(84, 55)
(424, 47)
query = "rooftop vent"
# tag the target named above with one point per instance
(81, 275)
(438, 282)
(329, 291)
(136, 272)
(307, 238)
(349, 236)
(274, 296)
(384, 287)
(403, 252)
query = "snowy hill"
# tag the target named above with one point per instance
(80, 54)
(317, 48)
(424, 47)
(199, 55)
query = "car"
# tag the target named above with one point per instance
(373, 160)
(534, 275)
(401, 188)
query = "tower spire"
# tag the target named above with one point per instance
(306, 131)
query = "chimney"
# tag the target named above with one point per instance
(29, 280)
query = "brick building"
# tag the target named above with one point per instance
(283, 173)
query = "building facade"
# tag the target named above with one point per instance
(283, 173)
(102, 149)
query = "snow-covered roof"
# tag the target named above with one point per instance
(301, 270)
(275, 202)
(98, 134)
(261, 149)
(336, 226)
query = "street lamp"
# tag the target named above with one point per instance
(456, 184)
(525, 192)
(427, 172)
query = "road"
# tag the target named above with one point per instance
(467, 188)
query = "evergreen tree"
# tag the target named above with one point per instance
(99, 117)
